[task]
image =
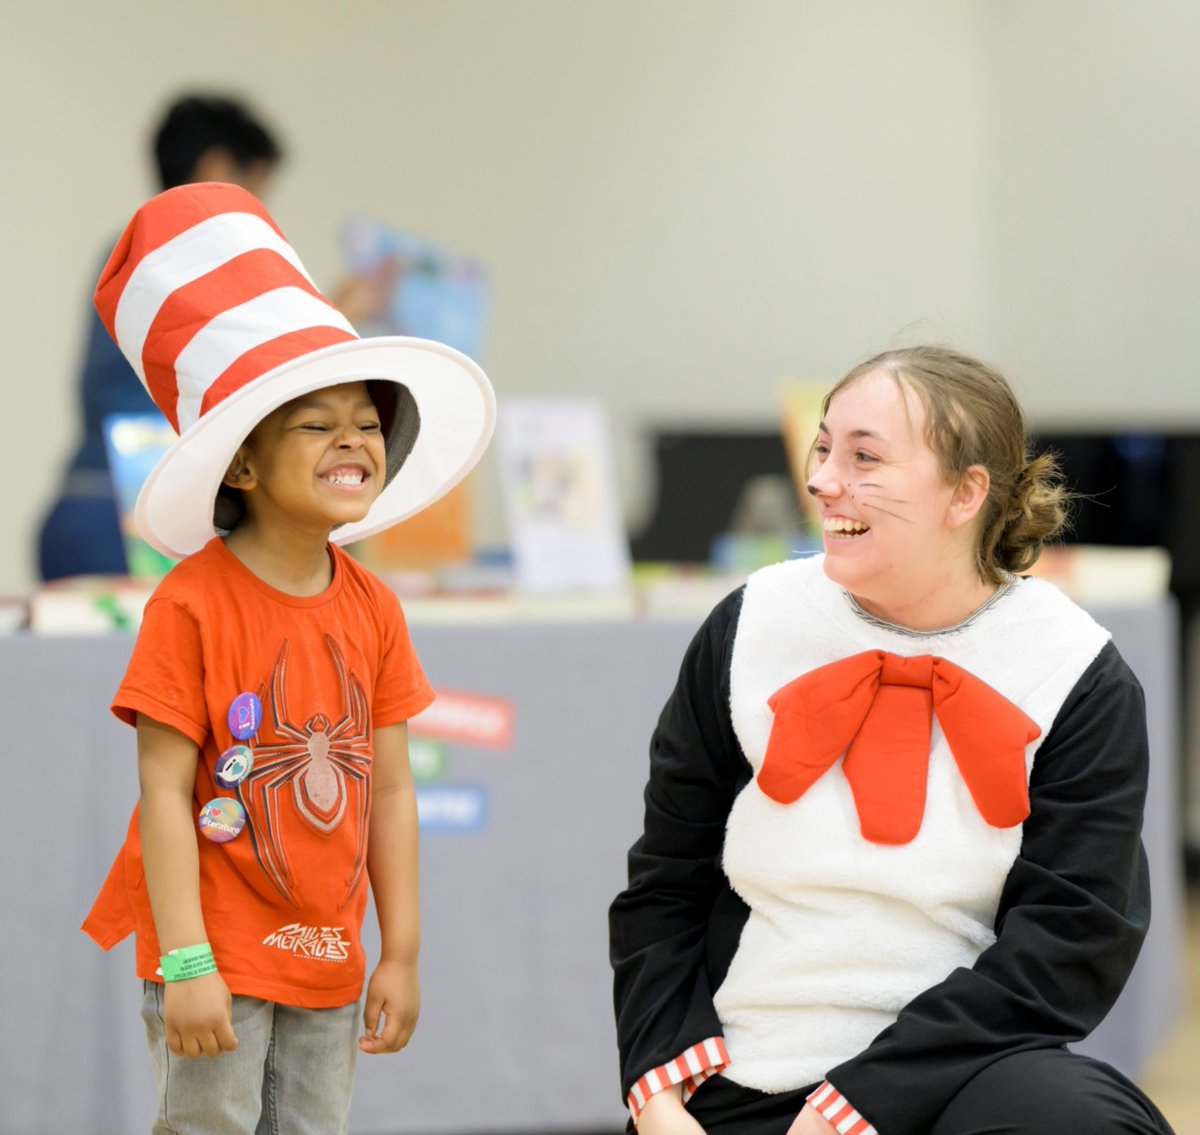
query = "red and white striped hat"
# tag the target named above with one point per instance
(216, 314)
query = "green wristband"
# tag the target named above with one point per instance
(187, 962)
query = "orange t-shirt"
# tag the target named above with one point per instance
(284, 901)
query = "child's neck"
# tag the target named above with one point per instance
(296, 563)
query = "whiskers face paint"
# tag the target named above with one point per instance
(871, 497)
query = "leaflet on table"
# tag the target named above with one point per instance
(560, 498)
(430, 292)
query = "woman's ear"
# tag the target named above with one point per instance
(970, 496)
(240, 474)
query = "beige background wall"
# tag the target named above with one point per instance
(679, 202)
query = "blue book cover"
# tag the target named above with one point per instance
(432, 293)
(134, 443)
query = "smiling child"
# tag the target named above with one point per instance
(273, 675)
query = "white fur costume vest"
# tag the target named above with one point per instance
(842, 933)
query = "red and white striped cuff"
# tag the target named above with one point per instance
(690, 1068)
(836, 1109)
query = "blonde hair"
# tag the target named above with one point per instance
(973, 418)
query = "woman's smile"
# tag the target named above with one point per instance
(843, 527)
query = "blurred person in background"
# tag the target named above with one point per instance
(202, 137)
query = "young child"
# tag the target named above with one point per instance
(272, 676)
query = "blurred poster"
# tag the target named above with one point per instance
(429, 291)
(560, 497)
(800, 418)
(440, 534)
(134, 443)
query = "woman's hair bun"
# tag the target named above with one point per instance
(1038, 512)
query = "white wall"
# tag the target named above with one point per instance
(680, 201)
(1093, 237)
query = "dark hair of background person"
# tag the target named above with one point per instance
(195, 124)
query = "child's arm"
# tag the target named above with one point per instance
(197, 1014)
(392, 866)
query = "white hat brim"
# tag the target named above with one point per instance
(455, 401)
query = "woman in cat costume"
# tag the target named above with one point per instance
(891, 862)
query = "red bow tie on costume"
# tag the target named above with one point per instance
(878, 708)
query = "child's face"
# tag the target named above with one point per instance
(315, 462)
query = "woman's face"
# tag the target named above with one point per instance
(895, 531)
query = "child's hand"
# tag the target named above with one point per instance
(395, 992)
(198, 1017)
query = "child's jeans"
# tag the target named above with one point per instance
(291, 1073)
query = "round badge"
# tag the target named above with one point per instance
(234, 765)
(245, 716)
(222, 819)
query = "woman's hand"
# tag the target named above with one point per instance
(811, 1122)
(664, 1114)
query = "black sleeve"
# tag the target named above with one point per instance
(1071, 920)
(658, 926)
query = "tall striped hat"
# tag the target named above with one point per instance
(216, 314)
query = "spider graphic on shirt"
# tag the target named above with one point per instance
(324, 765)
